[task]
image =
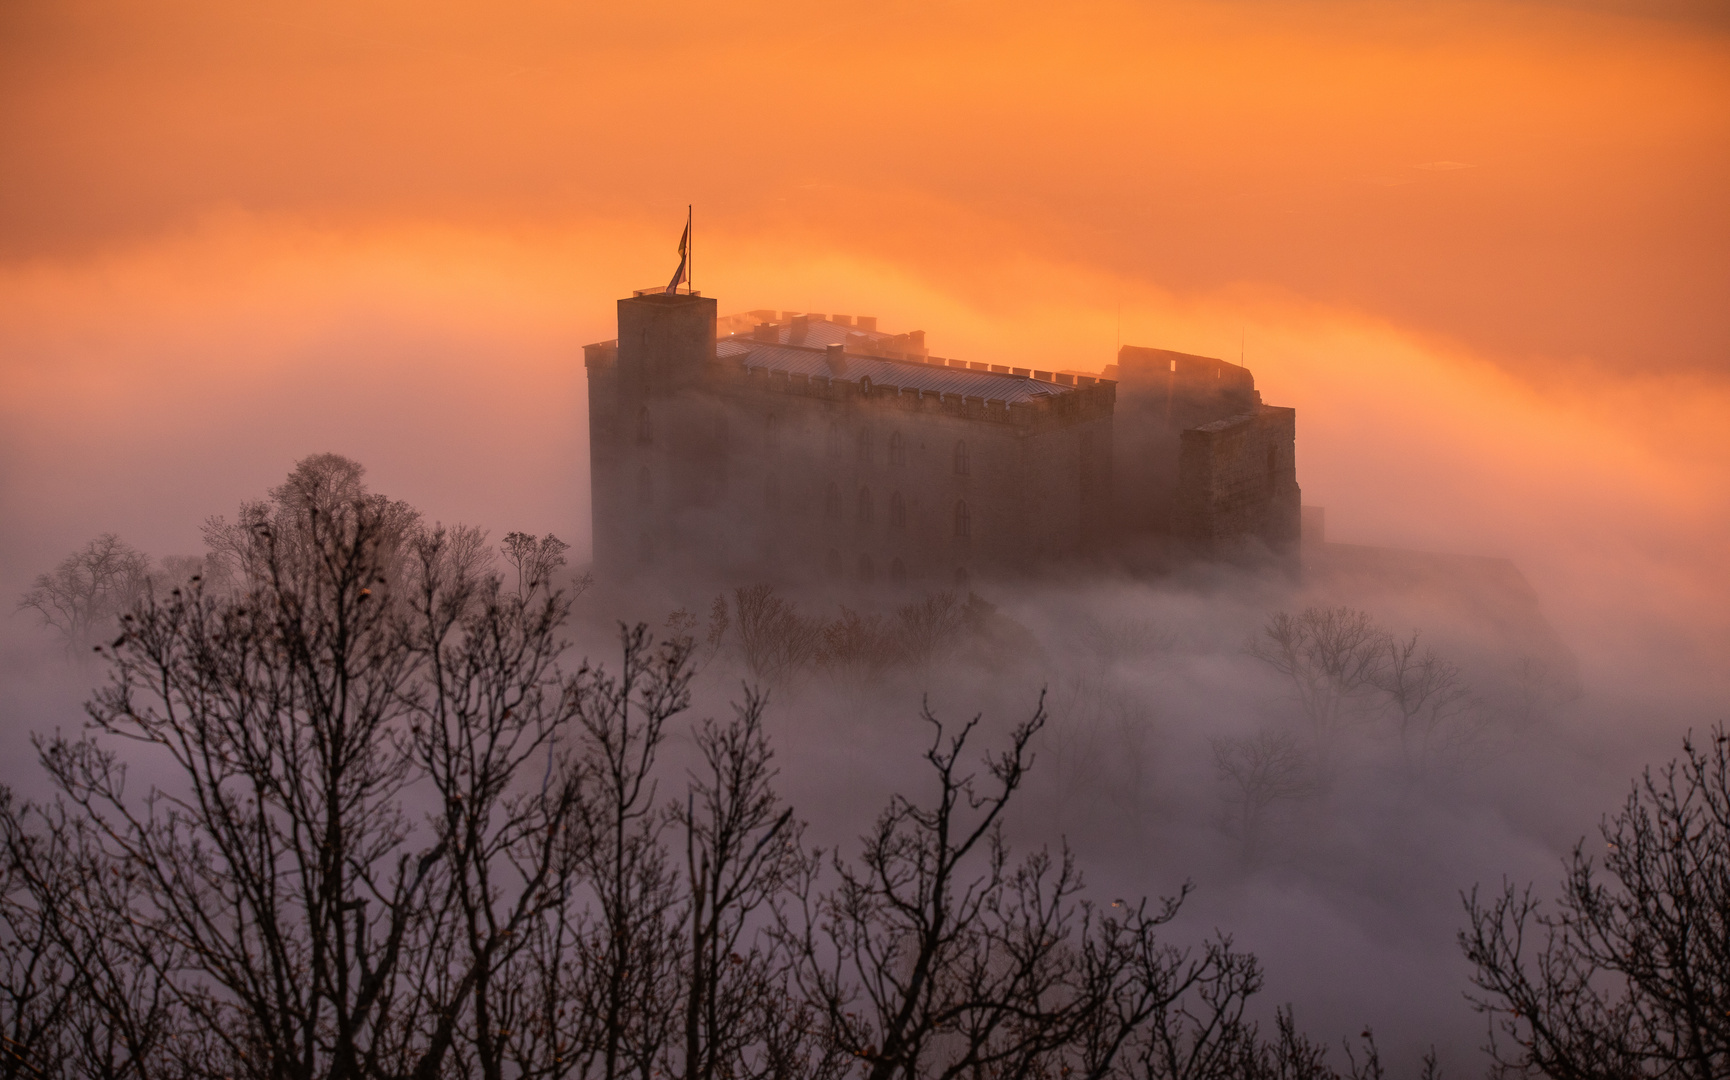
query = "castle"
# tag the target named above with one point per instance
(812, 448)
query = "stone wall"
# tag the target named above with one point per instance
(1237, 484)
(707, 463)
(741, 471)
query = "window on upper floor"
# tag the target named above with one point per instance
(898, 572)
(832, 501)
(645, 486)
(866, 508)
(963, 521)
(963, 464)
(897, 511)
(865, 446)
(835, 441)
(645, 427)
(771, 494)
(867, 571)
(897, 449)
(772, 431)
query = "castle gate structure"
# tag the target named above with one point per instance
(805, 448)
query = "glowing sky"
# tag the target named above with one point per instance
(1484, 248)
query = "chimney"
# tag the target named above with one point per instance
(836, 357)
(916, 340)
(766, 331)
(867, 323)
(841, 320)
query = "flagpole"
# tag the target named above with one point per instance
(690, 254)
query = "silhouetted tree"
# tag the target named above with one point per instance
(1424, 691)
(1260, 771)
(1628, 974)
(1330, 655)
(391, 837)
(83, 596)
(535, 559)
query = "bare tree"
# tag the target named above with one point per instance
(76, 996)
(777, 641)
(494, 702)
(391, 837)
(741, 851)
(929, 626)
(858, 647)
(1628, 975)
(1330, 655)
(632, 941)
(535, 559)
(935, 957)
(1423, 690)
(281, 859)
(1261, 770)
(84, 596)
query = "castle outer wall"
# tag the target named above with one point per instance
(797, 453)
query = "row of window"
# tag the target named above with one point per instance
(865, 441)
(865, 504)
(865, 570)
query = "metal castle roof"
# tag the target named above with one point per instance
(813, 360)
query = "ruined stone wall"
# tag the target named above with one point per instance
(1160, 395)
(1237, 484)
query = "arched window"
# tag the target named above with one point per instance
(963, 521)
(963, 466)
(898, 572)
(833, 563)
(1272, 461)
(771, 494)
(721, 431)
(645, 548)
(866, 509)
(772, 431)
(645, 486)
(835, 440)
(897, 449)
(832, 501)
(865, 448)
(897, 511)
(961, 577)
(867, 572)
(645, 427)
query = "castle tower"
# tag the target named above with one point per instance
(647, 467)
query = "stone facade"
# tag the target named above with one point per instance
(813, 448)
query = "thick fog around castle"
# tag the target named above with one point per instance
(1481, 248)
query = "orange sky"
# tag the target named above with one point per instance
(1484, 248)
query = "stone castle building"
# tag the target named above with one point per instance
(809, 447)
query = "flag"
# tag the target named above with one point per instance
(684, 257)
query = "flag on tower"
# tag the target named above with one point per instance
(684, 257)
